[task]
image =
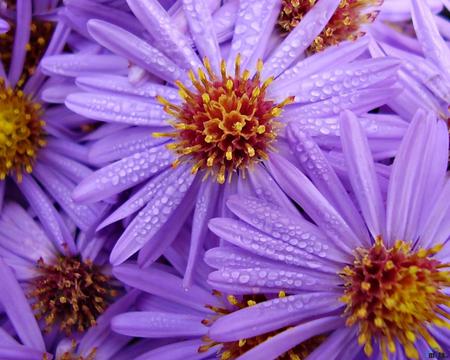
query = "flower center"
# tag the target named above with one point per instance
(232, 350)
(225, 123)
(394, 294)
(344, 24)
(71, 292)
(40, 35)
(21, 132)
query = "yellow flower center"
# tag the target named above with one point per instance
(234, 349)
(21, 132)
(394, 294)
(226, 123)
(70, 292)
(344, 24)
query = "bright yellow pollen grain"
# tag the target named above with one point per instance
(21, 132)
(407, 297)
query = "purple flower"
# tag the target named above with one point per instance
(39, 144)
(230, 137)
(377, 263)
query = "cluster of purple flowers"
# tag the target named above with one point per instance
(224, 179)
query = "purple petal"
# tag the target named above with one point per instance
(337, 343)
(123, 174)
(288, 339)
(178, 351)
(15, 304)
(165, 285)
(300, 38)
(362, 174)
(149, 220)
(21, 37)
(272, 315)
(300, 188)
(19, 352)
(152, 324)
(4, 27)
(117, 109)
(157, 22)
(137, 51)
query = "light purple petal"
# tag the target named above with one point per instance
(137, 51)
(337, 343)
(152, 324)
(288, 339)
(122, 174)
(300, 38)
(186, 350)
(15, 304)
(363, 178)
(272, 315)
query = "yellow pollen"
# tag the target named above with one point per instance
(21, 132)
(394, 295)
(345, 24)
(226, 123)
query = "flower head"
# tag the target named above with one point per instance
(390, 287)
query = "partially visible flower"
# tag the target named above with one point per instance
(386, 276)
(39, 144)
(182, 317)
(67, 290)
(221, 122)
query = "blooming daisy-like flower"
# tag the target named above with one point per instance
(67, 290)
(214, 121)
(387, 280)
(182, 318)
(38, 144)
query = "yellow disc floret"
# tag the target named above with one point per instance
(21, 132)
(345, 24)
(225, 122)
(394, 295)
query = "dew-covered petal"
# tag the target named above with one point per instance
(153, 324)
(15, 304)
(415, 178)
(150, 219)
(281, 343)
(272, 315)
(362, 174)
(68, 167)
(320, 171)
(331, 57)
(145, 194)
(433, 46)
(202, 30)
(168, 39)
(359, 102)
(254, 24)
(300, 188)
(82, 64)
(121, 85)
(50, 219)
(122, 174)
(137, 51)
(344, 79)
(21, 38)
(168, 286)
(300, 38)
(245, 236)
(205, 206)
(117, 109)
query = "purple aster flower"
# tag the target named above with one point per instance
(220, 125)
(39, 144)
(180, 318)
(384, 276)
(67, 290)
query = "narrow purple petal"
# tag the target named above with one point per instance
(179, 351)
(15, 304)
(153, 324)
(362, 174)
